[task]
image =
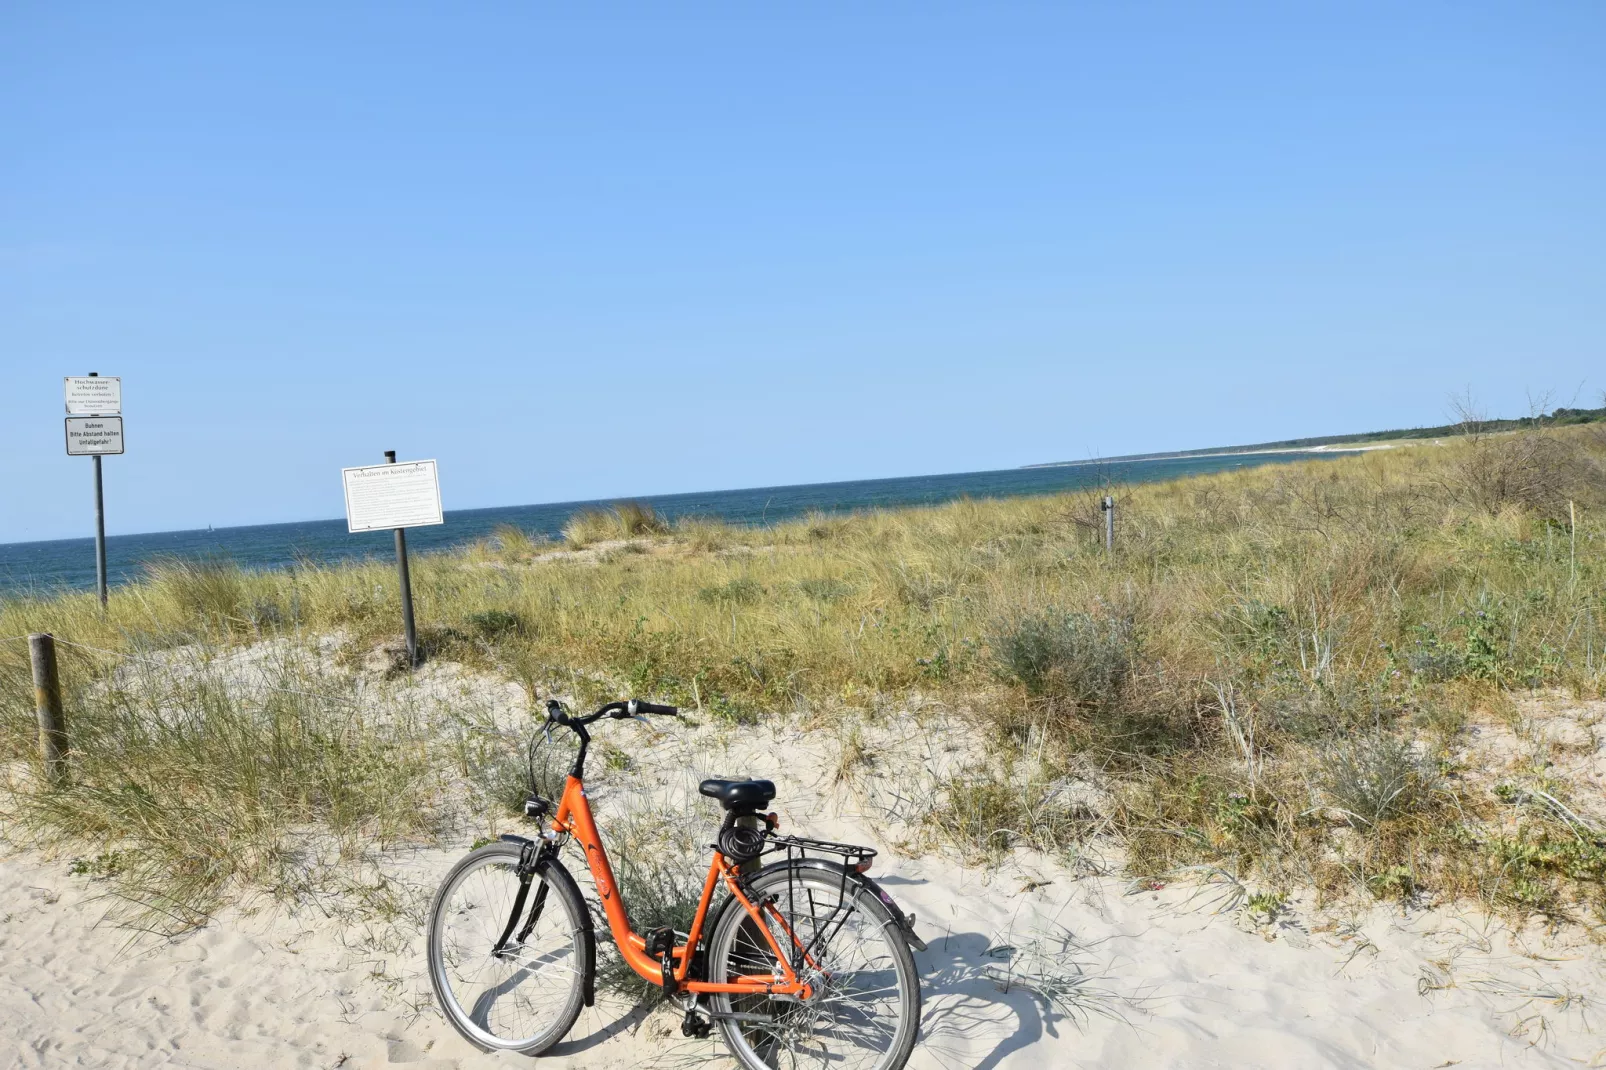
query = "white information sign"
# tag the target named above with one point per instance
(90, 436)
(94, 395)
(383, 496)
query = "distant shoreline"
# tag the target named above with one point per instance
(1182, 455)
(1359, 442)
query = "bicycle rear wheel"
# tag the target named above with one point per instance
(865, 1010)
(526, 996)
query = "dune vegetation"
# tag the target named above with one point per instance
(1278, 674)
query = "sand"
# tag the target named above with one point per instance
(1101, 974)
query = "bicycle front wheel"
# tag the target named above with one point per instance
(864, 1013)
(525, 994)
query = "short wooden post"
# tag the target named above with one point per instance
(47, 699)
(1108, 506)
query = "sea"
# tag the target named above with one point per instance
(39, 569)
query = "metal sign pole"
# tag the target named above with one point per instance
(406, 585)
(100, 531)
(100, 536)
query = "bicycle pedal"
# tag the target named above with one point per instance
(660, 942)
(695, 1025)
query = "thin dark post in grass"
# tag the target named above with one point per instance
(406, 586)
(47, 698)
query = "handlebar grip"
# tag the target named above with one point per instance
(655, 707)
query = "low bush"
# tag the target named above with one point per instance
(988, 810)
(494, 623)
(1373, 778)
(1053, 653)
(741, 591)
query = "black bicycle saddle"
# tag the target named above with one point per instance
(739, 794)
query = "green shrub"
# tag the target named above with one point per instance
(984, 809)
(1373, 778)
(494, 623)
(1062, 654)
(737, 592)
(1431, 659)
(824, 589)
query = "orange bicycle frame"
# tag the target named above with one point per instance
(573, 818)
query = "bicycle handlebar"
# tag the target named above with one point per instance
(618, 710)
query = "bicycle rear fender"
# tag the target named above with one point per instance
(551, 870)
(906, 922)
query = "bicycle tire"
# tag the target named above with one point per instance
(833, 1029)
(465, 923)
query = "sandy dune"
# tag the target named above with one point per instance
(1151, 978)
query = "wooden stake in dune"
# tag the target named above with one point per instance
(395, 497)
(47, 698)
(1107, 507)
(95, 429)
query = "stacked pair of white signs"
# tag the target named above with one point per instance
(94, 415)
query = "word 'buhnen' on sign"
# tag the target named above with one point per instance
(384, 496)
(94, 436)
(94, 395)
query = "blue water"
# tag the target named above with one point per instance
(43, 567)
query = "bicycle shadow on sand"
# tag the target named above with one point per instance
(986, 999)
(609, 1018)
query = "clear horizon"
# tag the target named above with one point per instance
(581, 256)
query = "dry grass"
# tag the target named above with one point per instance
(626, 520)
(1249, 624)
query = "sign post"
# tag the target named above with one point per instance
(94, 429)
(395, 496)
(1107, 506)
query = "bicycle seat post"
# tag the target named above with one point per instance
(749, 821)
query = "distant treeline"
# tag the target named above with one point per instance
(1554, 418)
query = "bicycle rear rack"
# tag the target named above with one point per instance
(798, 848)
(854, 860)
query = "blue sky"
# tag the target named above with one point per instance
(629, 250)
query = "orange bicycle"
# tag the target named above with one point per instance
(807, 961)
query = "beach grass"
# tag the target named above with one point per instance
(1274, 670)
